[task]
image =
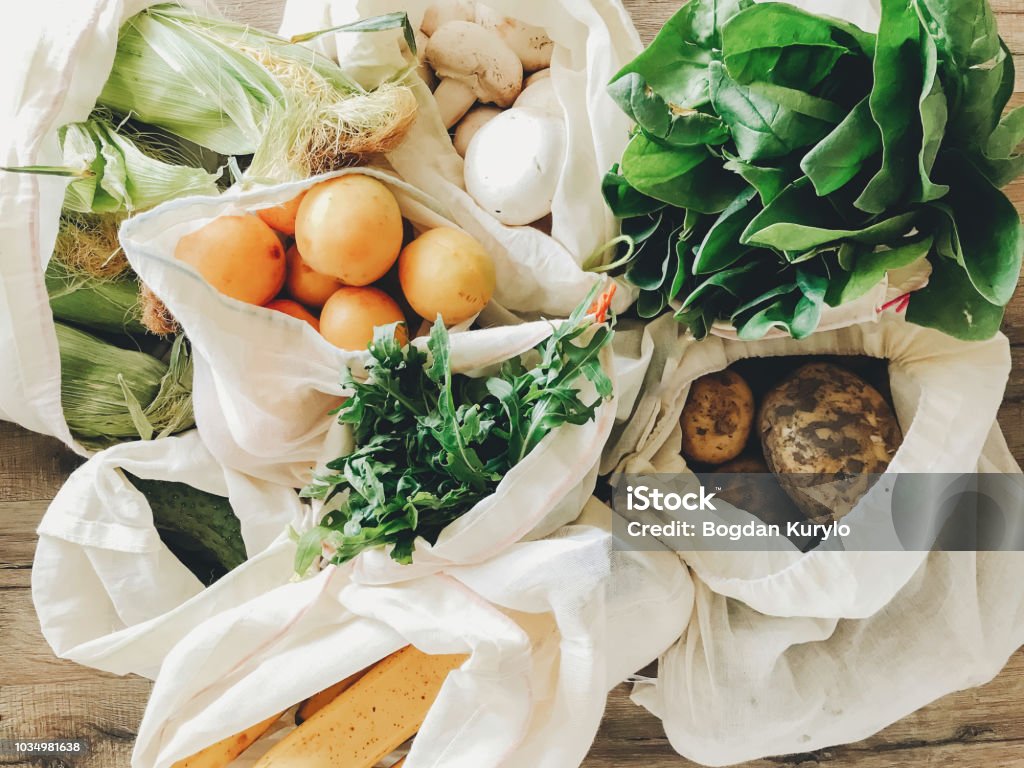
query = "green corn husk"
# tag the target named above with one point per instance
(102, 384)
(239, 91)
(103, 305)
(170, 411)
(123, 175)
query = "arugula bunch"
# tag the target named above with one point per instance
(431, 443)
(784, 161)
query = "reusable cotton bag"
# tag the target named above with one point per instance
(801, 651)
(57, 58)
(532, 619)
(537, 273)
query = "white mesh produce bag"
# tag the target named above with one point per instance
(790, 652)
(57, 59)
(537, 273)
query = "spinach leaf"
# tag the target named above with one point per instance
(867, 265)
(837, 159)
(798, 221)
(721, 247)
(1003, 158)
(949, 303)
(658, 122)
(769, 181)
(989, 231)
(894, 102)
(978, 68)
(762, 128)
(675, 64)
(685, 177)
(781, 44)
(623, 199)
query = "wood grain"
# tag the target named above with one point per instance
(43, 697)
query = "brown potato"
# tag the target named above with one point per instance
(717, 418)
(827, 434)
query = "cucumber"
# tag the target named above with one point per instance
(199, 528)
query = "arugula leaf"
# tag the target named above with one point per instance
(430, 443)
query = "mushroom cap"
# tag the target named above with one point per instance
(514, 163)
(540, 96)
(445, 11)
(474, 120)
(477, 58)
(531, 44)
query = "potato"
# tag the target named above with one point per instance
(306, 285)
(351, 314)
(281, 218)
(294, 309)
(760, 495)
(827, 434)
(717, 418)
(240, 256)
(349, 228)
(446, 272)
(223, 753)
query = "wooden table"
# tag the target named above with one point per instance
(41, 696)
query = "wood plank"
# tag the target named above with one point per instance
(104, 712)
(32, 467)
(27, 659)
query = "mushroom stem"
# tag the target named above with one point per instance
(453, 100)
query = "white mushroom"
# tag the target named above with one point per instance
(445, 11)
(531, 44)
(469, 55)
(474, 120)
(454, 100)
(536, 77)
(513, 165)
(540, 96)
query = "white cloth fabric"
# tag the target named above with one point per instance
(533, 619)
(537, 273)
(790, 652)
(57, 58)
